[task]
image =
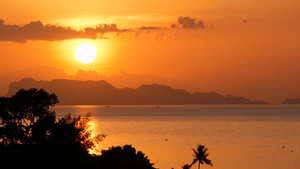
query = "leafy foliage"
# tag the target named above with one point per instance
(26, 118)
(29, 132)
(31, 137)
(125, 157)
(186, 166)
(72, 131)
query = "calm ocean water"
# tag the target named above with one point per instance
(238, 136)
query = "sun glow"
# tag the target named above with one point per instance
(85, 53)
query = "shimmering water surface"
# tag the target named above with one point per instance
(238, 136)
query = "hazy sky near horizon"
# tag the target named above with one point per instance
(245, 48)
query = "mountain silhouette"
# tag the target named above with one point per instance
(291, 101)
(74, 92)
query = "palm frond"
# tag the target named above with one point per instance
(201, 154)
(196, 153)
(194, 161)
(207, 161)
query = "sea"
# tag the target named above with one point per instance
(237, 136)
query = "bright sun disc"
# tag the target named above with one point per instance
(85, 53)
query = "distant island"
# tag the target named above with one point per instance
(291, 101)
(74, 92)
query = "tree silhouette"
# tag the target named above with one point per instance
(74, 131)
(31, 137)
(201, 154)
(29, 132)
(72, 141)
(125, 157)
(25, 117)
(186, 166)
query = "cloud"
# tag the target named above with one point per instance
(182, 22)
(101, 29)
(43, 72)
(87, 75)
(171, 31)
(190, 23)
(149, 28)
(38, 31)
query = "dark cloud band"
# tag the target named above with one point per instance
(190, 23)
(38, 31)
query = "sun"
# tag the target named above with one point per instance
(85, 53)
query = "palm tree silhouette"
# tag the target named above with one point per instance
(200, 155)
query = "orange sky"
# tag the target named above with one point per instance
(244, 48)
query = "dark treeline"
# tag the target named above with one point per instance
(32, 137)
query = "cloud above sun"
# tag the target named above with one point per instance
(190, 23)
(36, 30)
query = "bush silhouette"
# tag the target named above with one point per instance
(186, 166)
(125, 157)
